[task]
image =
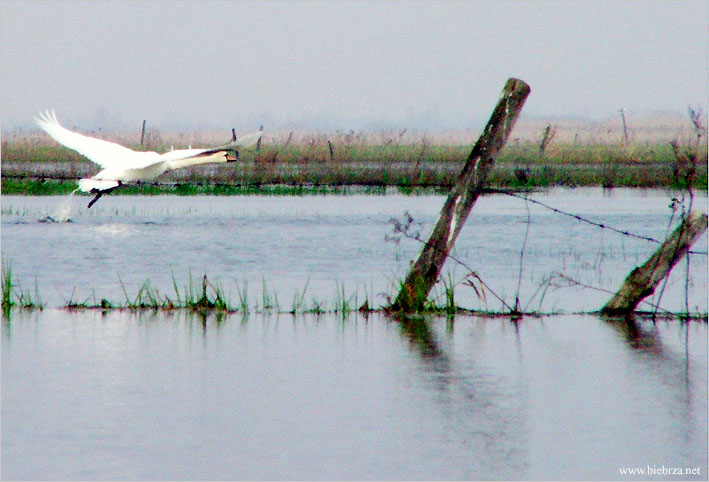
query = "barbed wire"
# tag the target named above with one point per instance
(623, 232)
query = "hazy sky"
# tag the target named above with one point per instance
(342, 65)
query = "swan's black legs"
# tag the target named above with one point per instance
(100, 193)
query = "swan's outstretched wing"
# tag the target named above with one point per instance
(246, 141)
(114, 156)
(249, 140)
(104, 153)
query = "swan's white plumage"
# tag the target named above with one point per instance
(104, 153)
(121, 164)
(88, 185)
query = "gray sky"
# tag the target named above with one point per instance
(341, 65)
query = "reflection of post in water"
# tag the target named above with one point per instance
(635, 336)
(647, 340)
(419, 333)
(435, 361)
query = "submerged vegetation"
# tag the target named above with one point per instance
(204, 295)
(201, 296)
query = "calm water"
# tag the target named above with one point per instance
(151, 396)
(320, 242)
(86, 396)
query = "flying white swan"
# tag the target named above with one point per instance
(121, 164)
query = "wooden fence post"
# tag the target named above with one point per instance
(625, 127)
(465, 192)
(642, 281)
(258, 142)
(142, 133)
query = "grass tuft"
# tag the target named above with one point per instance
(14, 296)
(7, 301)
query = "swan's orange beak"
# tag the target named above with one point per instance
(232, 156)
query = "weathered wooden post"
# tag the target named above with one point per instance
(258, 143)
(142, 133)
(465, 192)
(642, 281)
(625, 127)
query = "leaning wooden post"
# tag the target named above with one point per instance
(642, 281)
(465, 192)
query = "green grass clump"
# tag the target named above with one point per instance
(243, 293)
(298, 305)
(14, 296)
(212, 299)
(7, 301)
(344, 304)
(209, 297)
(269, 300)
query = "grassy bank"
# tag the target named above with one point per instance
(40, 168)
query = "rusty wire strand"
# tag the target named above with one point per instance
(585, 220)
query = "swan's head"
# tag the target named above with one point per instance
(232, 156)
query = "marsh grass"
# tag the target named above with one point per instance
(243, 293)
(209, 296)
(14, 296)
(75, 304)
(203, 296)
(307, 168)
(147, 298)
(206, 295)
(317, 307)
(441, 300)
(449, 294)
(344, 304)
(298, 305)
(416, 297)
(7, 300)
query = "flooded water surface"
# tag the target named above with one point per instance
(122, 396)
(319, 243)
(88, 395)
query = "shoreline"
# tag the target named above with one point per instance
(40, 167)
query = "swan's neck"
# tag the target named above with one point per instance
(196, 161)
